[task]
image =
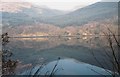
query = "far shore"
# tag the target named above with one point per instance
(57, 36)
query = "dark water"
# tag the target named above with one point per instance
(79, 52)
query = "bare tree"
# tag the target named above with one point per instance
(114, 57)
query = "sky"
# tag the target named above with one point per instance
(65, 5)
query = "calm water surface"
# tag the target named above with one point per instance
(77, 55)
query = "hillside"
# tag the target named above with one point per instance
(39, 21)
(95, 12)
(25, 14)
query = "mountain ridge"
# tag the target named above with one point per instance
(97, 11)
(90, 20)
(34, 14)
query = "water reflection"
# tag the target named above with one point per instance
(30, 52)
(51, 42)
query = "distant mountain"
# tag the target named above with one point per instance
(27, 20)
(25, 13)
(95, 12)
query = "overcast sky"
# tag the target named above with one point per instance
(66, 5)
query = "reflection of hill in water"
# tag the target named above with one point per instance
(49, 49)
(51, 42)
